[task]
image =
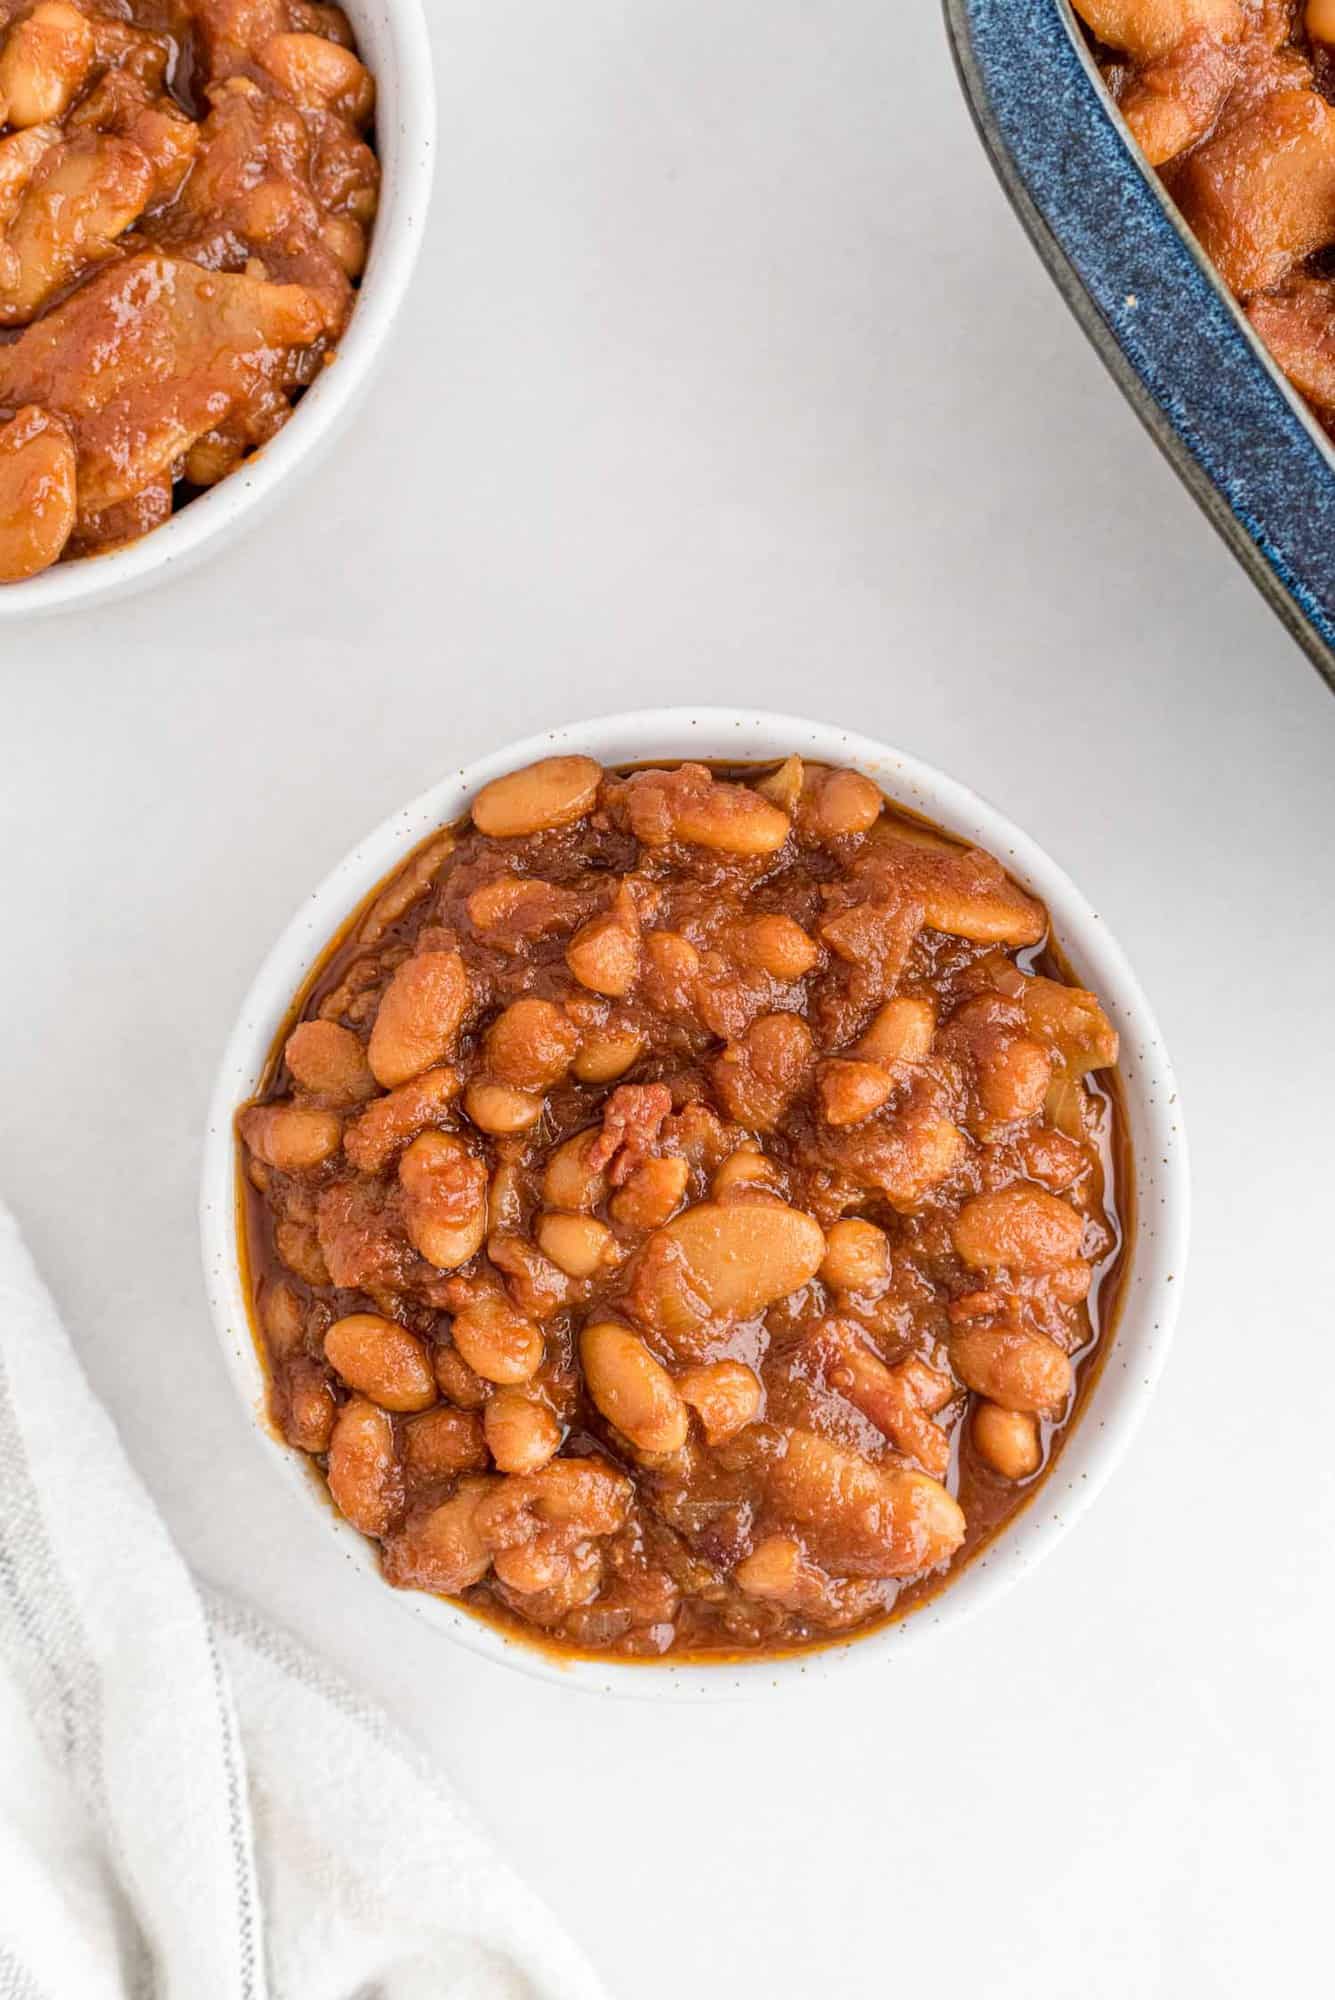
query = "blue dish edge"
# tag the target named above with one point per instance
(1155, 312)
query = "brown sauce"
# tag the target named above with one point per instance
(1231, 101)
(808, 1513)
(186, 193)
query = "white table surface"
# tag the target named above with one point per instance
(728, 376)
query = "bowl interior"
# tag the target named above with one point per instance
(1153, 1276)
(393, 41)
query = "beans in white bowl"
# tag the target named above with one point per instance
(204, 209)
(668, 1429)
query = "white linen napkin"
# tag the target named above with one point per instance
(191, 1808)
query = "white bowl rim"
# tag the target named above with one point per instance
(1151, 1286)
(406, 144)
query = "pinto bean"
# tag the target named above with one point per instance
(725, 1395)
(292, 1138)
(758, 1077)
(1007, 1440)
(741, 1259)
(862, 1519)
(309, 1420)
(777, 945)
(671, 972)
(1019, 1228)
(501, 1109)
(444, 1199)
(505, 1198)
(851, 1090)
(298, 1245)
(372, 1139)
(44, 64)
(723, 1261)
(1013, 1078)
(965, 892)
(586, 1494)
(857, 1256)
(515, 907)
(583, 1493)
(419, 1018)
(773, 1571)
(576, 1244)
(778, 1572)
(283, 1318)
(900, 1031)
(631, 1389)
(604, 956)
(530, 1045)
(569, 1181)
(498, 1342)
(522, 1433)
(744, 1175)
(38, 500)
(652, 1194)
(691, 805)
(1071, 1022)
(552, 1576)
(1071, 1282)
(903, 1153)
(442, 1443)
(455, 1379)
(605, 1054)
(364, 1475)
(538, 1287)
(846, 804)
(320, 76)
(1021, 1371)
(442, 1550)
(732, 819)
(554, 792)
(382, 1361)
(532, 1568)
(328, 1061)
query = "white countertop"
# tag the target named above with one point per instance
(728, 376)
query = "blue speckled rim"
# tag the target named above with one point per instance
(1169, 333)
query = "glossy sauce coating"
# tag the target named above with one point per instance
(681, 1212)
(186, 193)
(1231, 101)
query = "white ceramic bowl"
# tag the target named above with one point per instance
(1152, 1284)
(393, 41)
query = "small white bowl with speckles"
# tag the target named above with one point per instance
(1151, 1286)
(393, 42)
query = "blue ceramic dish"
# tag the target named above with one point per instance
(1172, 337)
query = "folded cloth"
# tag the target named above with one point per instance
(191, 1807)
